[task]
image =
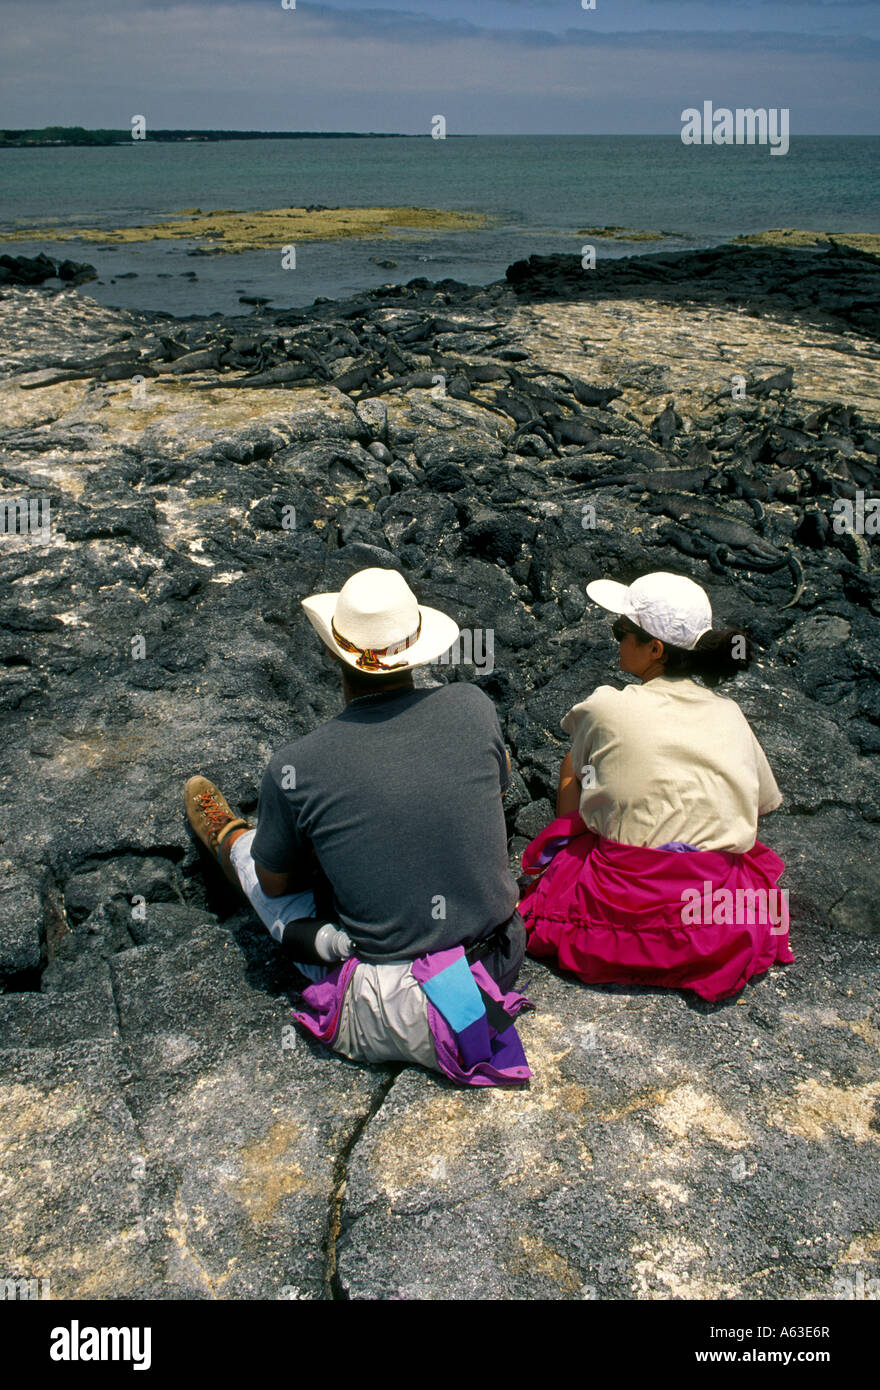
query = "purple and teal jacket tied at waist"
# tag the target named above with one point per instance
(471, 1020)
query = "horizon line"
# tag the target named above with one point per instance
(403, 134)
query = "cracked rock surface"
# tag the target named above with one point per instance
(164, 1131)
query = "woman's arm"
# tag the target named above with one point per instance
(568, 792)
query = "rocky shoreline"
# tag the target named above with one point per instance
(168, 1135)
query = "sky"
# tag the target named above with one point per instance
(488, 66)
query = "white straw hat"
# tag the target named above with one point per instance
(668, 606)
(375, 624)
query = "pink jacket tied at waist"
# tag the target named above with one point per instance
(703, 920)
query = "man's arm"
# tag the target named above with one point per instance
(275, 885)
(279, 885)
(279, 841)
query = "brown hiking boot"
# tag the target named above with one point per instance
(209, 815)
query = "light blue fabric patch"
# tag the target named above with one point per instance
(454, 994)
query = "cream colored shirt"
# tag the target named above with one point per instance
(670, 760)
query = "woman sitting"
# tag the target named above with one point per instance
(652, 874)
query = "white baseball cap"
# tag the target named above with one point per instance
(668, 606)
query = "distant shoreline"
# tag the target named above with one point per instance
(78, 136)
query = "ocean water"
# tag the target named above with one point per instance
(538, 190)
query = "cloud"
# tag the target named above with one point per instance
(320, 67)
(407, 26)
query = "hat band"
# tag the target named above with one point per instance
(368, 657)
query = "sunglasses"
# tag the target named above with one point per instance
(621, 627)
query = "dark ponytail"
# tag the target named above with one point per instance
(719, 655)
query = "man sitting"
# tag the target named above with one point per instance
(397, 801)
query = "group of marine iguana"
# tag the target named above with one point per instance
(759, 449)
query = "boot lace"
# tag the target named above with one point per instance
(214, 814)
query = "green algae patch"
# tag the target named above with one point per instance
(623, 233)
(794, 236)
(230, 231)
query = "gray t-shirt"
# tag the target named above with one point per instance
(400, 797)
